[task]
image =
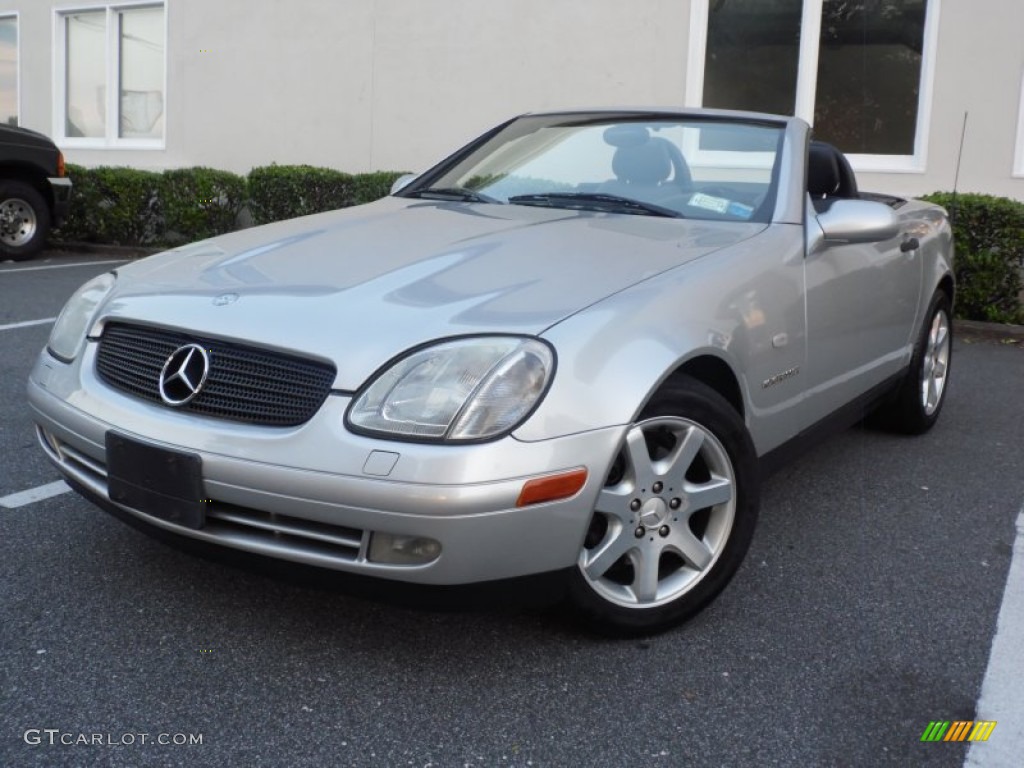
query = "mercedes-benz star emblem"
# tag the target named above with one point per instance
(184, 374)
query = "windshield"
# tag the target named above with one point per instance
(643, 165)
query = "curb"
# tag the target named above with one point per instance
(988, 330)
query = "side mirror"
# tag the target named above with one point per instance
(402, 181)
(858, 221)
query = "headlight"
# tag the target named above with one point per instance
(76, 317)
(467, 389)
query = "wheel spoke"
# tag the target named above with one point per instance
(932, 396)
(685, 451)
(693, 549)
(615, 503)
(717, 490)
(639, 458)
(599, 560)
(645, 568)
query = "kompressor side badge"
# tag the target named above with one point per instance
(780, 377)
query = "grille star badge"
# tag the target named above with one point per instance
(184, 374)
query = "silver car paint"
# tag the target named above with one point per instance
(415, 271)
(624, 301)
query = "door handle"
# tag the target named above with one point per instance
(910, 244)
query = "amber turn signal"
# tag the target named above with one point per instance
(552, 487)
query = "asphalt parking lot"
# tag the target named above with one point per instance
(865, 609)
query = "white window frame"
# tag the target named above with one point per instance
(807, 80)
(1018, 156)
(17, 59)
(113, 78)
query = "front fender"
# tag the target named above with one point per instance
(742, 305)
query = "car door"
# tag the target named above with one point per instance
(862, 301)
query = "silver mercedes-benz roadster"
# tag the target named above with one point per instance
(569, 349)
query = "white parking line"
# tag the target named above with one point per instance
(63, 266)
(32, 495)
(1001, 698)
(26, 324)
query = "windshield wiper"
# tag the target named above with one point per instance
(595, 201)
(453, 193)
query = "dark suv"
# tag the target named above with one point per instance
(34, 194)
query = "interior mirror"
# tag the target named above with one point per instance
(402, 181)
(858, 221)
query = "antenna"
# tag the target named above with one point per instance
(956, 178)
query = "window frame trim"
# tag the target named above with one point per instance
(807, 80)
(16, 15)
(111, 54)
(1018, 154)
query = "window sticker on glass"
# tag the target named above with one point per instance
(739, 210)
(721, 205)
(709, 202)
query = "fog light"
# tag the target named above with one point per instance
(403, 550)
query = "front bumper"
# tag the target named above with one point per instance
(61, 188)
(271, 492)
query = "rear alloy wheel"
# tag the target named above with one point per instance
(24, 221)
(916, 406)
(675, 517)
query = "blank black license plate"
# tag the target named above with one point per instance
(162, 483)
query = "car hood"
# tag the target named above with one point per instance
(360, 285)
(16, 135)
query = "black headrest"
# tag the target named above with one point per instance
(829, 173)
(822, 170)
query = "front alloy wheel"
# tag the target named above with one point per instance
(675, 517)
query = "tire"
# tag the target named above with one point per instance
(675, 518)
(24, 221)
(919, 399)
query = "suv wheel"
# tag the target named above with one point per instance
(24, 221)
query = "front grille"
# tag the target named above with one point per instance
(244, 383)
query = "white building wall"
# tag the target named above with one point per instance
(395, 84)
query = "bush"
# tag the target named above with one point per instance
(124, 206)
(285, 191)
(988, 233)
(114, 206)
(199, 202)
(373, 186)
(78, 226)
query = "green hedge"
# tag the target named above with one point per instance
(124, 206)
(200, 202)
(279, 192)
(988, 234)
(284, 191)
(114, 206)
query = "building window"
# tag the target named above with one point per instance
(113, 64)
(9, 70)
(860, 71)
